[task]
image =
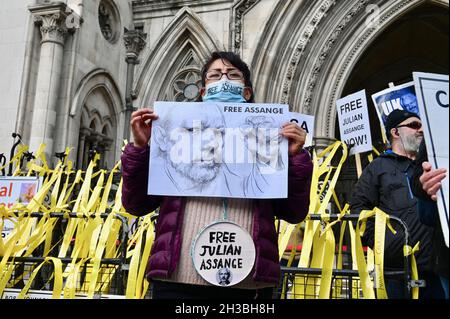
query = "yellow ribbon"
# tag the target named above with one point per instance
(408, 251)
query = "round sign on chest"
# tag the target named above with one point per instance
(223, 253)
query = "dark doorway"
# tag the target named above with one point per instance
(416, 42)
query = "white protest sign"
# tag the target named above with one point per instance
(219, 150)
(432, 94)
(401, 97)
(306, 122)
(223, 254)
(354, 122)
(15, 190)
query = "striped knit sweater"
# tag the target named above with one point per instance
(199, 213)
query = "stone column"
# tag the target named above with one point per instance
(51, 20)
(94, 140)
(134, 43)
(84, 132)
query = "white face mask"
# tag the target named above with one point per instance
(224, 91)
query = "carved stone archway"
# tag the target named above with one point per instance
(309, 48)
(97, 99)
(185, 45)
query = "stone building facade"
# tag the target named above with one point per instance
(72, 71)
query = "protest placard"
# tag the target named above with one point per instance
(219, 150)
(306, 122)
(15, 190)
(223, 254)
(432, 96)
(402, 97)
(354, 124)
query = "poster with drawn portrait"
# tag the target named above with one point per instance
(219, 150)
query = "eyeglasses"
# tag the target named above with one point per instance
(216, 75)
(413, 125)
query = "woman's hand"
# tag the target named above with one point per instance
(296, 136)
(141, 126)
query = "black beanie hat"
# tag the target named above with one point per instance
(395, 118)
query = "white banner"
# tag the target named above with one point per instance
(402, 97)
(432, 95)
(306, 122)
(219, 150)
(354, 123)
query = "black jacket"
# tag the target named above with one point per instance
(429, 215)
(385, 184)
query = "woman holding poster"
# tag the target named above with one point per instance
(198, 238)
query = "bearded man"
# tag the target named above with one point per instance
(385, 183)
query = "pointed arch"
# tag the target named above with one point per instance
(95, 119)
(106, 130)
(186, 36)
(98, 78)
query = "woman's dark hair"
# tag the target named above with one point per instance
(236, 61)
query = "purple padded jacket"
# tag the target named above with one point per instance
(166, 248)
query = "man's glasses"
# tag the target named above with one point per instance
(413, 125)
(216, 75)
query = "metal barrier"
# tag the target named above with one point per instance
(112, 275)
(304, 283)
(295, 282)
